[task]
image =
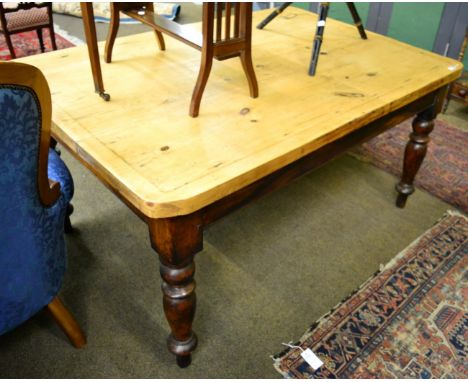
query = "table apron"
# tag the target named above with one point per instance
(289, 173)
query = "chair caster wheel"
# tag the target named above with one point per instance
(104, 96)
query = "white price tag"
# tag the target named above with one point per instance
(311, 359)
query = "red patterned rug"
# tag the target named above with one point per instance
(409, 321)
(27, 44)
(444, 172)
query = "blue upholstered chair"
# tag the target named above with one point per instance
(35, 192)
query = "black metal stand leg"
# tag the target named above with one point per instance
(273, 14)
(322, 17)
(357, 20)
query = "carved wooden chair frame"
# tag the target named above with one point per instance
(213, 43)
(38, 28)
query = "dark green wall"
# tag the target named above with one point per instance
(416, 23)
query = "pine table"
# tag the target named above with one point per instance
(180, 174)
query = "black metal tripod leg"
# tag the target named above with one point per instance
(357, 20)
(273, 14)
(322, 18)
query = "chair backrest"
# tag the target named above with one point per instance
(461, 55)
(32, 248)
(228, 33)
(25, 118)
(22, 7)
(234, 23)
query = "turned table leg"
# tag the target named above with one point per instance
(177, 240)
(414, 153)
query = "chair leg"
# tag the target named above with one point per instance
(246, 59)
(245, 32)
(112, 33)
(159, 36)
(203, 74)
(67, 323)
(41, 40)
(206, 59)
(10, 46)
(68, 228)
(160, 40)
(52, 36)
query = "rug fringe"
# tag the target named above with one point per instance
(62, 32)
(401, 254)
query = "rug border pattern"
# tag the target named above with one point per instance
(399, 260)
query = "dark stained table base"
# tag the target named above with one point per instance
(178, 239)
(415, 152)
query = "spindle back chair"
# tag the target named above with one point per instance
(226, 33)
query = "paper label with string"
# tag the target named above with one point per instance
(310, 357)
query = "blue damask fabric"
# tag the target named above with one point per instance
(32, 247)
(60, 173)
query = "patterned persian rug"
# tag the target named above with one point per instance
(444, 172)
(27, 43)
(408, 321)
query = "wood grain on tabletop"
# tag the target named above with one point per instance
(144, 145)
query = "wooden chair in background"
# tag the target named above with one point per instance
(459, 89)
(25, 17)
(221, 38)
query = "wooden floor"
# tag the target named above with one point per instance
(145, 146)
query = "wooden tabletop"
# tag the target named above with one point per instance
(144, 145)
